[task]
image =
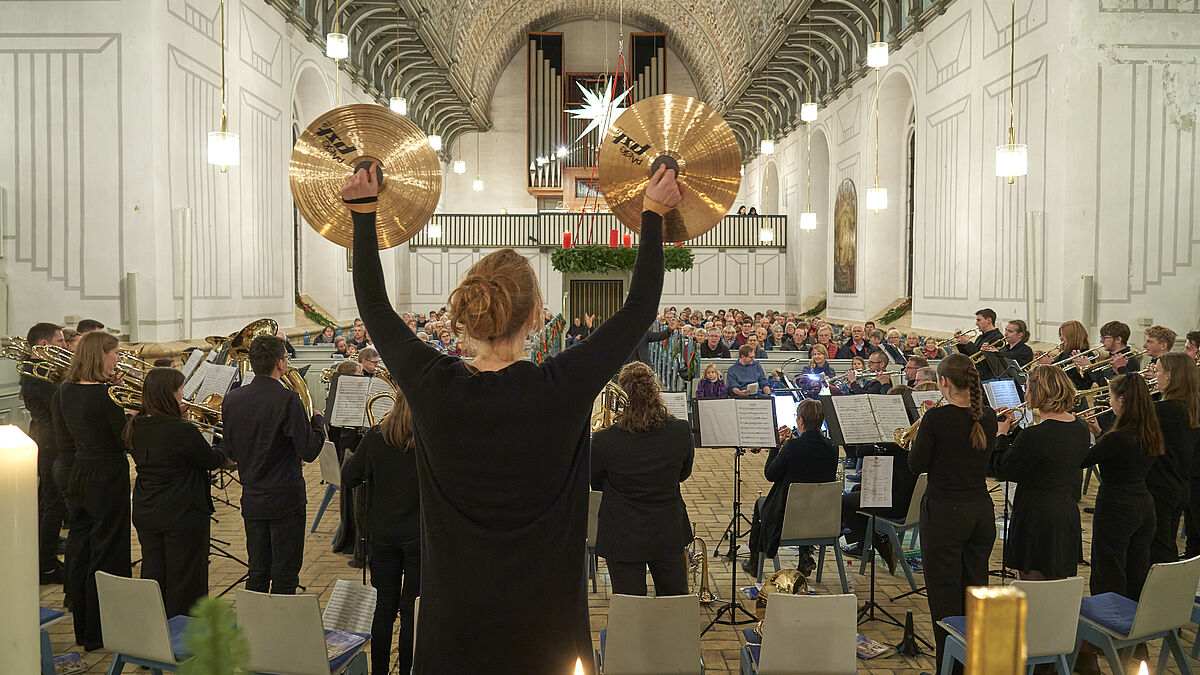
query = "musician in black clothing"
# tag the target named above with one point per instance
(958, 520)
(267, 432)
(880, 383)
(639, 463)
(36, 393)
(713, 347)
(385, 461)
(1114, 336)
(1073, 341)
(1178, 414)
(1016, 343)
(807, 458)
(985, 321)
(345, 439)
(171, 501)
(98, 488)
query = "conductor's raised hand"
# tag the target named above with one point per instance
(662, 193)
(362, 185)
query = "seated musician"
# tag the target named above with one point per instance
(746, 373)
(1159, 341)
(713, 347)
(857, 345)
(985, 321)
(711, 384)
(808, 458)
(879, 382)
(926, 376)
(1016, 343)
(912, 367)
(903, 482)
(893, 348)
(1114, 335)
(344, 440)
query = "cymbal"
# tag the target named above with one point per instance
(353, 136)
(683, 133)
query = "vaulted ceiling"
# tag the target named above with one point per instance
(755, 60)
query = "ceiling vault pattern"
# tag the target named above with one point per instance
(754, 60)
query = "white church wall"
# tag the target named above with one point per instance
(1095, 87)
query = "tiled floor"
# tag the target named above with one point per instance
(708, 494)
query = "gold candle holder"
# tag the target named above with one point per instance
(995, 631)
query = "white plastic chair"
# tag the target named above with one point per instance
(134, 624)
(593, 523)
(1113, 622)
(331, 474)
(652, 636)
(894, 530)
(1051, 622)
(805, 634)
(285, 636)
(812, 517)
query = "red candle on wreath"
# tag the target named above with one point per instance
(628, 241)
(566, 240)
(612, 238)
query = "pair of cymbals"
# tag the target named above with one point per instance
(678, 131)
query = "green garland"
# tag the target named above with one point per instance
(896, 312)
(590, 258)
(217, 644)
(817, 309)
(313, 315)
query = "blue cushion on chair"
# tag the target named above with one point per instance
(46, 615)
(603, 639)
(957, 623)
(1111, 610)
(341, 659)
(753, 643)
(177, 626)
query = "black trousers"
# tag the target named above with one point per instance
(176, 556)
(396, 575)
(956, 541)
(102, 486)
(52, 511)
(1192, 523)
(1164, 547)
(275, 550)
(1122, 532)
(78, 550)
(858, 523)
(670, 576)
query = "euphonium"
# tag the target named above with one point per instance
(612, 400)
(790, 582)
(371, 401)
(698, 563)
(294, 379)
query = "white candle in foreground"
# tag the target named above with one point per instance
(579, 667)
(19, 640)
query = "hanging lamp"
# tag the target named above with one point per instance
(224, 147)
(337, 43)
(877, 197)
(477, 184)
(808, 109)
(1012, 158)
(398, 103)
(877, 51)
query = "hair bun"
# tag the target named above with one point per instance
(496, 298)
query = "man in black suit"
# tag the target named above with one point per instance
(267, 433)
(985, 321)
(808, 458)
(52, 510)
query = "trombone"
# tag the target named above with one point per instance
(951, 341)
(206, 415)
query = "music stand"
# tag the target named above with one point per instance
(733, 605)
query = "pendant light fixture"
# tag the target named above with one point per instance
(877, 198)
(337, 43)
(435, 142)
(477, 184)
(460, 166)
(223, 146)
(808, 219)
(877, 51)
(808, 109)
(435, 230)
(1012, 158)
(398, 103)
(767, 147)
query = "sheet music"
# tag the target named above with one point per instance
(193, 383)
(919, 397)
(1004, 394)
(248, 377)
(348, 401)
(677, 403)
(217, 380)
(752, 389)
(383, 404)
(890, 414)
(756, 423)
(193, 360)
(718, 423)
(351, 607)
(856, 419)
(876, 481)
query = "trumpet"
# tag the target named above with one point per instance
(1132, 354)
(1087, 355)
(698, 564)
(980, 355)
(951, 341)
(1051, 354)
(1093, 412)
(1018, 412)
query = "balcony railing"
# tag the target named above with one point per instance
(465, 230)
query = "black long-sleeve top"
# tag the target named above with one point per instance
(173, 461)
(1168, 475)
(957, 470)
(869, 386)
(1044, 457)
(63, 442)
(502, 459)
(642, 515)
(393, 502)
(266, 431)
(807, 458)
(92, 421)
(980, 340)
(1105, 373)
(1021, 352)
(1123, 466)
(36, 395)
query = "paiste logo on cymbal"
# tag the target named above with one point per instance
(630, 148)
(333, 143)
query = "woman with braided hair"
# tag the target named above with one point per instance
(639, 463)
(958, 519)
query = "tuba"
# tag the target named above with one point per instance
(698, 564)
(612, 400)
(294, 379)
